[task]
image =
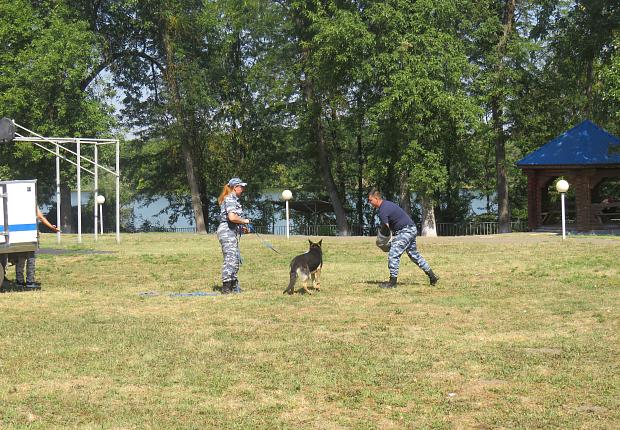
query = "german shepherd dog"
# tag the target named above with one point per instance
(306, 266)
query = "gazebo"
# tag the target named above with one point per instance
(587, 157)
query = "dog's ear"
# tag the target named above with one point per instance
(320, 242)
(310, 242)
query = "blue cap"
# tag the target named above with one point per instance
(236, 181)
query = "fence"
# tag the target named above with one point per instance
(476, 228)
(443, 229)
(158, 229)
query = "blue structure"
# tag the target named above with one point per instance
(585, 155)
(585, 144)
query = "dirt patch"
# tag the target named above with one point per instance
(591, 409)
(477, 387)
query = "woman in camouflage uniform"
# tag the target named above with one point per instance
(232, 223)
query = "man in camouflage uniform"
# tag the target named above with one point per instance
(404, 234)
(231, 225)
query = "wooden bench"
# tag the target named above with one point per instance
(555, 216)
(606, 212)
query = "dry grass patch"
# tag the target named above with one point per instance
(521, 332)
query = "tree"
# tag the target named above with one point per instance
(151, 49)
(424, 112)
(331, 38)
(45, 56)
(197, 79)
(507, 60)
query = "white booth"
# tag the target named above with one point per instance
(18, 218)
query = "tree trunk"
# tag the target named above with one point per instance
(360, 184)
(589, 85)
(429, 226)
(186, 146)
(193, 186)
(404, 193)
(503, 203)
(503, 210)
(199, 157)
(316, 125)
(65, 209)
(338, 155)
(204, 198)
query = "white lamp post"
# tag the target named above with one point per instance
(286, 196)
(100, 202)
(562, 187)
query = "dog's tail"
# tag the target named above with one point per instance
(291, 284)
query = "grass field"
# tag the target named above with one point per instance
(522, 332)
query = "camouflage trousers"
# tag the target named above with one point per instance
(229, 240)
(404, 240)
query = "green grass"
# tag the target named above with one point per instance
(520, 333)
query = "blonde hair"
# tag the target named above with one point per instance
(226, 190)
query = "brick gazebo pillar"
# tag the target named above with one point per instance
(534, 200)
(583, 200)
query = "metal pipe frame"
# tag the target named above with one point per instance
(37, 139)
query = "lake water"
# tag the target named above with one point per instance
(150, 212)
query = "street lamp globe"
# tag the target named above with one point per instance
(100, 199)
(561, 186)
(287, 195)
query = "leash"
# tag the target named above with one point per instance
(239, 257)
(264, 242)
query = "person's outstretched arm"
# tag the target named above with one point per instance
(46, 222)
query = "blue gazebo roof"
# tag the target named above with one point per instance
(586, 144)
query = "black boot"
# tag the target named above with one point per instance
(389, 284)
(235, 286)
(432, 277)
(227, 287)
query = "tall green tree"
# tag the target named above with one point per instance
(153, 51)
(582, 49)
(198, 82)
(331, 40)
(424, 111)
(46, 55)
(507, 59)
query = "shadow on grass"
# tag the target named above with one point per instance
(399, 283)
(56, 251)
(11, 287)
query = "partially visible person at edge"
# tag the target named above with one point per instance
(28, 259)
(404, 234)
(232, 224)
